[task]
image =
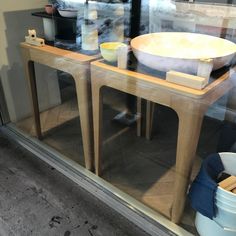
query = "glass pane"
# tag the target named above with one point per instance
(139, 92)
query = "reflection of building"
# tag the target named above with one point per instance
(216, 20)
(12, 78)
(210, 19)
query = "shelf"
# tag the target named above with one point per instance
(55, 16)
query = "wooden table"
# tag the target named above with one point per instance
(76, 64)
(189, 104)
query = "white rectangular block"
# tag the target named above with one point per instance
(187, 80)
(122, 56)
(205, 68)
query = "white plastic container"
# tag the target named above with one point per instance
(229, 162)
(224, 224)
(208, 227)
(226, 218)
(226, 200)
(222, 192)
(225, 203)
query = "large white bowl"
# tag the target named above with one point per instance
(181, 51)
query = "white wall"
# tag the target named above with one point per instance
(15, 20)
(9, 6)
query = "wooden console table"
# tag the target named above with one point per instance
(189, 104)
(78, 66)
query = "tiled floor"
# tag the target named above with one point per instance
(144, 169)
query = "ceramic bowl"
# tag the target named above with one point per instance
(70, 13)
(109, 50)
(181, 51)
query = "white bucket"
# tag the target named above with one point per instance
(223, 202)
(224, 224)
(226, 218)
(208, 227)
(229, 162)
(222, 192)
(225, 198)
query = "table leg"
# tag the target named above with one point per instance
(149, 119)
(30, 74)
(139, 118)
(97, 125)
(85, 110)
(231, 106)
(188, 136)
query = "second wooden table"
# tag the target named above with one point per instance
(189, 104)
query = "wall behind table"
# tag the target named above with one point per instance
(15, 19)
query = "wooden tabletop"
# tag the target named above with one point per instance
(223, 80)
(65, 54)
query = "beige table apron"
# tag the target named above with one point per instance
(189, 104)
(76, 64)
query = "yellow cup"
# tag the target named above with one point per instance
(109, 50)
